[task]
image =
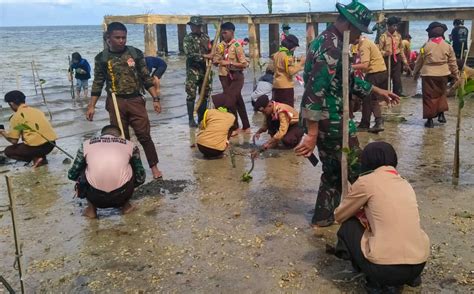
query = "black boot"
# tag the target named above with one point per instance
(191, 121)
(429, 123)
(378, 127)
(441, 118)
(363, 127)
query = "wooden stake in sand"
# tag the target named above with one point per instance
(114, 99)
(41, 82)
(18, 252)
(205, 82)
(345, 117)
(34, 77)
(71, 80)
(455, 180)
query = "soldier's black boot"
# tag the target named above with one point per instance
(378, 127)
(191, 121)
(429, 123)
(441, 118)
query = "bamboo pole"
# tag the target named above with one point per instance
(254, 52)
(42, 92)
(34, 77)
(73, 94)
(117, 115)
(345, 117)
(455, 180)
(18, 252)
(205, 82)
(389, 73)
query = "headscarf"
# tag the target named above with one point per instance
(377, 154)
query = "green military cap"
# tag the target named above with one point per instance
(357, 14)
(196, 20)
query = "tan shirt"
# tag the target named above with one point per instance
(215, 129)
(386, 46)
(436, 60)
(370, 54)
(34, 119)
(285, 69)
(394, 235)
(231, 51)
(287, 116)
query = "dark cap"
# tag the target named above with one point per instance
(15, 96)
(196, 20)
(393, 20)
(436, 24)
(261, 102)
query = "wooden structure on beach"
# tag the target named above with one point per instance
(156, 38)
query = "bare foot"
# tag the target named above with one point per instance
(127, 208)
(90, 211)
(156, 172)
(234, 133)
(39, 161)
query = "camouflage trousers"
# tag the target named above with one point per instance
(329, 194)
(194, 79)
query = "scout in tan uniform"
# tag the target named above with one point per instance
(230, 57)
(214, 132)
(286, 68)
(435, 63)
(390, 44)
(373, 65)
(281, 122)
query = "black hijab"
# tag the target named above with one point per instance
(377, 154)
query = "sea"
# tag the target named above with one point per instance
(49, 47)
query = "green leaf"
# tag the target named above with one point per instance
(42, 81)
(469, 87)
(346, 150)
(22, 115)
(37, 126)
(246, 177)
(22, 127)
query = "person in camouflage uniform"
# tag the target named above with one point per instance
(322, 105)
(197, 48)
(124, 71)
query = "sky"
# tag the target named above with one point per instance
(91, 12)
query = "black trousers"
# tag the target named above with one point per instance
(348, 248)
(396, 73)
(27, 153)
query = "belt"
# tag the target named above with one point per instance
(127, 96)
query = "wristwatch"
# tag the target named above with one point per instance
(156, 99)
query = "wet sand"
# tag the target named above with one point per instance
(202, 230)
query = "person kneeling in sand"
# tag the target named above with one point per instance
(214, 132)
(281, 122)
(107, 168)
(380, 229)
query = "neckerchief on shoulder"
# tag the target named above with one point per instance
(437, 40)
(226, 48)
(277, 110)
(288, 54)
(393, 45)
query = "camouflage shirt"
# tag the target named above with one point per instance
(125, 73)
(195, 45)
(322, 100)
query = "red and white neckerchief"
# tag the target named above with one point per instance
(276, 106)
(437, 40)
(394, 48)
(226, 48)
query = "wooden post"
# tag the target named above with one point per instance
(273, 38)
(162, 39)
(257, 29)
(311, 30)
(345, 117)
(150, 40)
(181, 35)
(253, 48)
(104, 37)
(18, 252)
